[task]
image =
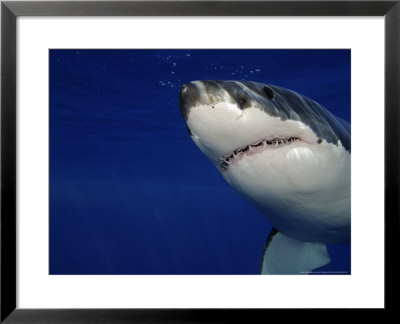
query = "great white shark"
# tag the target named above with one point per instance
(285, 154)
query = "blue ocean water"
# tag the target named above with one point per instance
(130, 193)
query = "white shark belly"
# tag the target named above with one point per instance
(301, 209)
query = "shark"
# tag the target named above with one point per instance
(286, 155)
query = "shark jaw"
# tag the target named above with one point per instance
(273, 142)
(225, 133)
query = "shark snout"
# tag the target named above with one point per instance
(189, 95)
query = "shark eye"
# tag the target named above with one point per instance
(268, 91)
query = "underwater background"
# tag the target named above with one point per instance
(130, 193)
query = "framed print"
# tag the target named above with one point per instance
(170, 188)
(110, 115)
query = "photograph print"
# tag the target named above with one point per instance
(200, 162)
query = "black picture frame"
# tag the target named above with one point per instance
(10, 10)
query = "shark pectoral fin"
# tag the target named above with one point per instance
(285, 255)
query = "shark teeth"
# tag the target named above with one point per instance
(226, 160)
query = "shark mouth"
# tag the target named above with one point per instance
(269, 143)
